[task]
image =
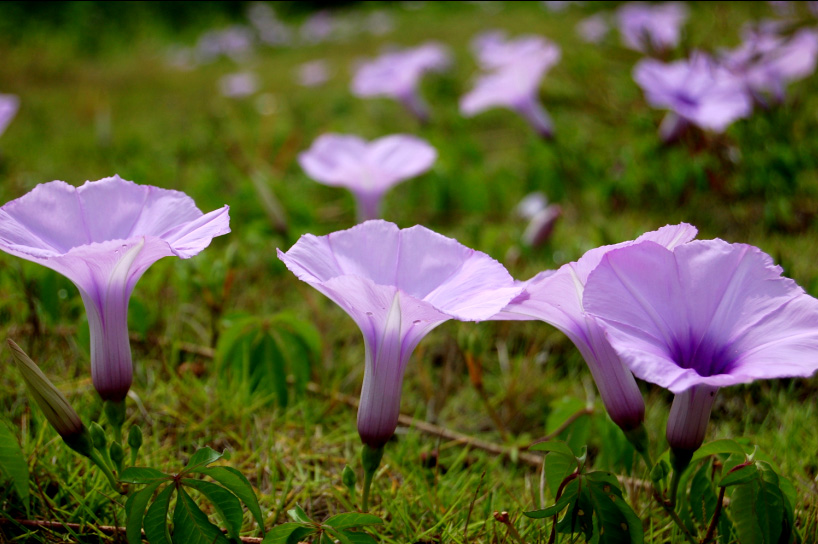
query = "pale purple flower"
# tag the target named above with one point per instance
(767, 62)
(271, 30)
(593, 29)
(651, 27)
(238, 85)
(556, 297)
(313, 73)
(700, 316)
(541, 217)
(515, 86)
(235, 42)
(9, 104)
(696, 90)
(397, 285)
(318, 27)
(494, 51)
(397, 74)
(367, 169)
(103, 236)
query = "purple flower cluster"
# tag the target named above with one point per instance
(517, 68)
(651, 27)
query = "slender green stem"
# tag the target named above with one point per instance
(103, 466)
(115, 413)
(674, 488)
(711, 530)
(371, 460)
(671, 510)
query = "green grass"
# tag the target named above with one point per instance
(87, 114)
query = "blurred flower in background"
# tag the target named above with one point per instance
(651, 28)
(9, 104)
(238, 85)
(313, 73)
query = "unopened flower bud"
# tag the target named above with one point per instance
(52, 402)
(98, 436)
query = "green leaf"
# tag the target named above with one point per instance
(359, 537)
(135, 512)
(190, 524)
(555, 446)
(287, 533)
(226, 504)
(203, 457)
(337, 535)
(739, 476)
(580, 514)
(557, 468)
(569, 495)
(613, 527)
(298, 514)
(235, 481)
(702, 498)
(13, 463)
(717, 447)
(757, 509)
(142, 475)
(156, 518)
(576, 434)
(351, 520)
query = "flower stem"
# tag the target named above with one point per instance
(711, 530)
(97, 459)
(371, 460)
(115, 413)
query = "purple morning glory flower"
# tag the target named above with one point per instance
(494, 51)
(9, 104)
(767, 62)
(103, 236)
(514, 86)
(313, 73)
(651, 27)
(593, 29)
(367, 169)
(397, 74)
(556, 297)
(541, 217)
(238, 85)
(696, 90)
(397, 285)
(700, 316)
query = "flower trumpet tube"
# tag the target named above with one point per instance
(556, 297)
(698, 317)
(103, 236)
(397, 285)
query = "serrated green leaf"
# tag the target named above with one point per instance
(287, 533)
(297, 514)
(190, 524)
(568, 497)
(201, 458)
(13, 463)
(739, 476)
(718, 447)
(235, 481)
(359, 537)
(351, 520)
(135, 512)
(156, 518)
(227, 504)
(142, 475)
